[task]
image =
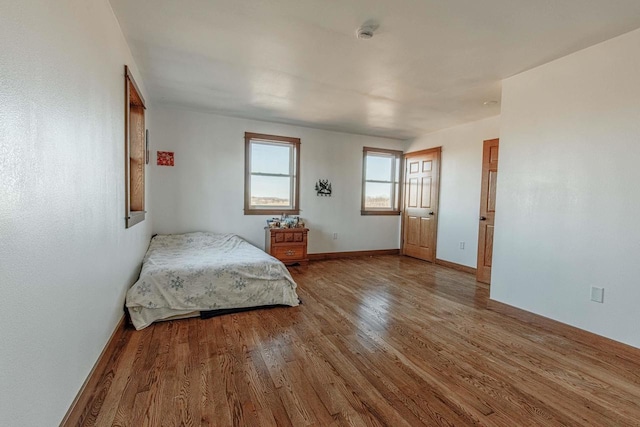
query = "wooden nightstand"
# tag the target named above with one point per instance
(289, 245)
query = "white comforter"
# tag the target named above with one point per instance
(195, 272)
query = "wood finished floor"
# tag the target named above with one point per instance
(378, 341)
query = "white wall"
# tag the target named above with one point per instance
(205, 189)
(460, 182)
(66, 259)
(568, 190)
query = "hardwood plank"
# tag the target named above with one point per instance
(385, 340)
(213, 402)
(168, 414)
(352, 254)
(81, 403)
(148, 401)
(127, 398)
(117, 379)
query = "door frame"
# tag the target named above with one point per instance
(484, 201)
(438, 150)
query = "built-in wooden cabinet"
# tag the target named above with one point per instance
(289, 245)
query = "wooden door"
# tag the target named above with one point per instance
(487, 209)
(420, 213)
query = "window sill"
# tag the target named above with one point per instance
(371, 212)
(271, 211)
(135, 217)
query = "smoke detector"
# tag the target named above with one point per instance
(365, 32)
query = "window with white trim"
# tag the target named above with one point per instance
(381, 174)
(272, 175)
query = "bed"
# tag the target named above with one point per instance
(184, 275)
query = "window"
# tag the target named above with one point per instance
(271, 179)
(134, 149)
(381, 182)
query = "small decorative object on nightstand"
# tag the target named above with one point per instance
(289, 245)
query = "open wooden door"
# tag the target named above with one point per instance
(487, 209)
(420, 213)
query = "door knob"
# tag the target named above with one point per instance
(483, 218)
(431, 213)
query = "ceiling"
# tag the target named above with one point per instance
(431, 64)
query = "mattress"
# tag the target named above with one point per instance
(186, 273)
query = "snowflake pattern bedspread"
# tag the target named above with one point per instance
(206, 271)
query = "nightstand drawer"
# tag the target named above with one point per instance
(295, 236)
(288, 252)
(289, 245)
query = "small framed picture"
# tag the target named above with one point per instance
(165, 158)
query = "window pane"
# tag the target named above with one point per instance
(377, 196)
(270, 158)
(396, 203)
(397, 177)
(379, 168)
(270, 191)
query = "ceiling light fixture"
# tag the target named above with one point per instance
(490, 103)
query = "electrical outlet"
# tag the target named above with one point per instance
(597, 294)
(462, 245)
(335, 236)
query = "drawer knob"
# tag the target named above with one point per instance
(290, 252)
